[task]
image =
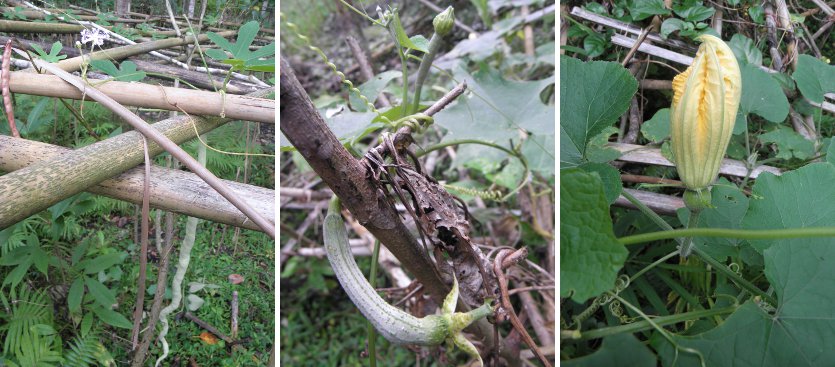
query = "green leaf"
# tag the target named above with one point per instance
(216, 53)
(830, 153)
(610, 176)
(757, 14)
(646, 8)
(401, 36)
(597, 149)
(372, 88)
(729, 207)
(15, 276)
(75, 295)
(745, 50)
(658, 127)
(671, 25)
(594, 45)
(496, 111)
(616, 350)
(103, 262)
(111, 317)
(590, 256)
(793, 200)
(421, 43)
(127, 71)
(598, 93)
(100, 293)
(802, 274)
(694, 12)
(246, 34)
(790, 144)
(814, 78)
(762, 95)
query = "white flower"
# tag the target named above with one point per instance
(95, 36)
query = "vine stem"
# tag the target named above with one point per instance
(646, 325)
(707, 258)
(745, 234)
(372, 280)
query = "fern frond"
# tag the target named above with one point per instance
(27, 310)
(88, 351)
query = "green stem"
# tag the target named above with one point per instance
(745, 234)
(678, 237)
(693, 222)
(734, 276)
(423, 71)
(659, 321)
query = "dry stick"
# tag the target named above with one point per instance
(209, 328)
(7, 94)
(162, 278)
(163, 141)
(143, 250)
(537, 322)
(234, 318)
(498, 263)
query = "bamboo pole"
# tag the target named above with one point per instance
(153, 96)
(171, 190)
(40, 185)
(16, 26)
(122, 52)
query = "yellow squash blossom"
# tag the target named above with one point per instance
(705, 101)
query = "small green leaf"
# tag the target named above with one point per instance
(657, 128)
(400, 34)
(597, 149)
(421, 43)
(590, 256)
(644, 9)
(694, 12)
(790, 144)
(112, 318)
(103, 262)
(100, 293)
(75, 295)
(671, 25)
(745, 50)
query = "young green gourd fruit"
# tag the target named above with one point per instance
(396, 325)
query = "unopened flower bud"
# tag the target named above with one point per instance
(443, 22)
(705, 102)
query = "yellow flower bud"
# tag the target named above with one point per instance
(705, 101)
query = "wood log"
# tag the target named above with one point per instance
(171, 190)
(16, 26)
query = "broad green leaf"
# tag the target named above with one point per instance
(646, 8)
(598, 93)
(103, 262)
(757, 14)
(617, 350)
(111, 317)
(657, 128)
(814, 78)
(789, 143)
(830, 153)
(746, 51)
(100, 293)
(246, 34)
(75, 295)
(793, 200)
(802, 273)
(126, 72)
(539, 151)
(590, 256)
(420, 42)
(609, 176)
(497, 110)
(762, 95)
